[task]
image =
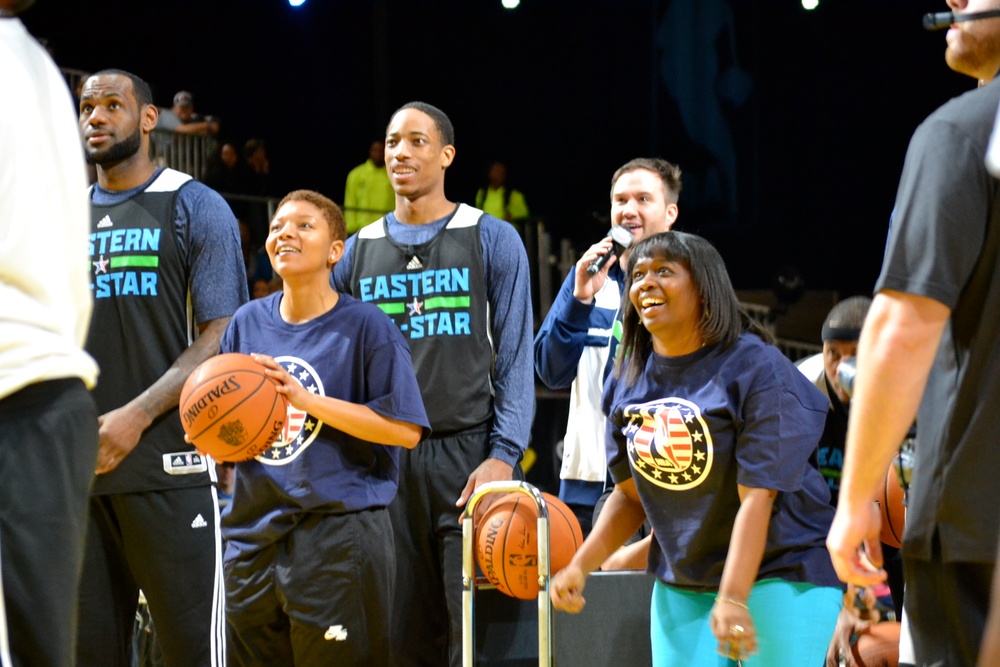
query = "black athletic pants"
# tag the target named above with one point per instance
(48, 452)
(946, 604)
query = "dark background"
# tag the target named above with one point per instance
(791, 126)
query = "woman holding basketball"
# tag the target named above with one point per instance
(309, 559)
(712, 435)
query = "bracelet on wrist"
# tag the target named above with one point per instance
(726, 600)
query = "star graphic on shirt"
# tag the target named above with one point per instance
(415, 307)
(100, 266)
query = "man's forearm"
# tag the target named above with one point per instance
(897, 348)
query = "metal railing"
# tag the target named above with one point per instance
(188, 153)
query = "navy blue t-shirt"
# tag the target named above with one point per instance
(354, 353)
(694, 427)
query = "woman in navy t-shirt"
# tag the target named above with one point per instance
(712, 435)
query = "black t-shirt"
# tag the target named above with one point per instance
(945, 244)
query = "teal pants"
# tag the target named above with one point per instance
(794, 623)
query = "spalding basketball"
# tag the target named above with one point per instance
(507, 542)
(890, 503)
(230, 409)
(877, 646)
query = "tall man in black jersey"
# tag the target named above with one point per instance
(167, 275)
(455, 282)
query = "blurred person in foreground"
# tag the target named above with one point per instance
(48, 421)
(928, 350)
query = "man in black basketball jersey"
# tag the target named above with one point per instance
(455, 282)
(167, 275)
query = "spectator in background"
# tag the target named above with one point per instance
(500, 200)
(368, 194)
(255, 154)
(181, 117)
(259, 184)
(48, 421)
(840, 334)
(255, 259)
(227, 175)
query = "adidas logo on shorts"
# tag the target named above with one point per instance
(335, 633)
(199, 522)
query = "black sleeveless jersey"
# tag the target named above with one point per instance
(141, 323)
(436, 294)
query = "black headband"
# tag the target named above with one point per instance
(840, 333)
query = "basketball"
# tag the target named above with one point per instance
(877, 646)
(507, 542)
(890, 503)
(230, 409)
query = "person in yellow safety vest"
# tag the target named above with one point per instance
(499, 200)
(368, 195)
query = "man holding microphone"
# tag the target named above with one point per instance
(579, 334)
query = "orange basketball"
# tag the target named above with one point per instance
(877, 646)
(890, 503)
(230, 409)
(507, 542)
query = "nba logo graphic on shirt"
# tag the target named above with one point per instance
(669, 443)
(301, 428)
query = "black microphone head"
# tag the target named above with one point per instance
(938, 20)
(621, 237)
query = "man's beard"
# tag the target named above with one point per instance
(118, 152)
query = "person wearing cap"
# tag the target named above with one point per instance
(840, 334)
(181, 117)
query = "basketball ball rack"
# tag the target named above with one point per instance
(470, 582)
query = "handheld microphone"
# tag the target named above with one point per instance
(945, 19)
(622, 238)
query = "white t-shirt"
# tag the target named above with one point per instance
(45, 299)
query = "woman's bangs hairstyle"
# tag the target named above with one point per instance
(721, 318)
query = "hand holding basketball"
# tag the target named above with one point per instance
(507, 542)
(286, 384)
(230, 409)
